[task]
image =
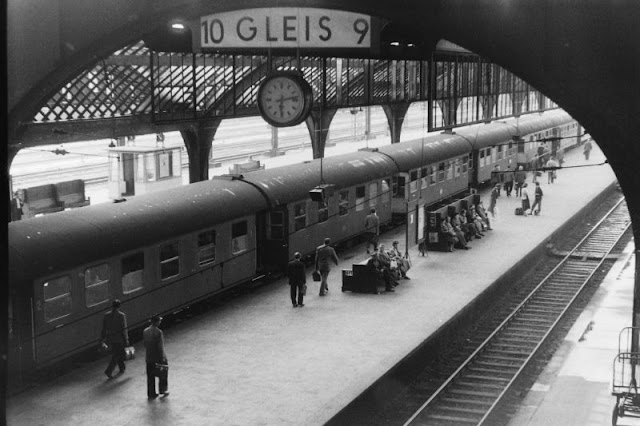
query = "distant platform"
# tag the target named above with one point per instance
(258, 361)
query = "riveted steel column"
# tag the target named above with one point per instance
(318, 124)
(198, 139)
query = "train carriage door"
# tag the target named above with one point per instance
(273, 247)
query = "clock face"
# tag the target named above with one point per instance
(284, 100)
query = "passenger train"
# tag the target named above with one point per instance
(161, 252)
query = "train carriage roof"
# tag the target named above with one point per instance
(428, 150)
(97, 232)
(291, 183)
(502, 131)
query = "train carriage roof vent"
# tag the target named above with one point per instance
(368, 149)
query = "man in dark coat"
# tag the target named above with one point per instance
(114, 335)
(154, 346)
(297, 280)
(372, 229)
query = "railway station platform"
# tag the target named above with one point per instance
(258, 361)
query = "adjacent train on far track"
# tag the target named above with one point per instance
(163, 251)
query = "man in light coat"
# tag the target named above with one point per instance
(325, 254)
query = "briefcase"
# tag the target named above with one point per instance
(316, 275)
(161, 370)
(129, 353)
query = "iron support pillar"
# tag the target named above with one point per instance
(395, 117)
(318, 124)
(198, 139)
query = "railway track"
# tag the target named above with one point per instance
(472, 393)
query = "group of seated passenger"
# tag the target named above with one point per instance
(464, 226)
(392, 265)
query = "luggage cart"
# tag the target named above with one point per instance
(626, 373)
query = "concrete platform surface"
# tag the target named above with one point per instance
(258, 361)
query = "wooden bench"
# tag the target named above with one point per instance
(40, 199)
(71, 194)
(361, 279)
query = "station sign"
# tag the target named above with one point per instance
(285, 27)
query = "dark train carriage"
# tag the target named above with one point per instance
(358, 182)
(430, 169)
(509, 143)
(156, 253)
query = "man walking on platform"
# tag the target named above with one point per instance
(297, 280)
(154, 346)
(520, 176)
(587, 149)
(508, 181)
(538, 199)
(115, 336)
(372, 229)
(325, 254)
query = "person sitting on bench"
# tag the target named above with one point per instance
(403, 264)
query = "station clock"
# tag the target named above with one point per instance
(284, 99)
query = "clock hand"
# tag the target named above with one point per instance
(290, 98)
(281, 109)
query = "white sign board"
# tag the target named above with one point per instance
(285, 27)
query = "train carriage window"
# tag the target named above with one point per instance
(398, 186)
(373, 194)
(300, 216)
(343, 204)
(500, 154)
(441, 172)
(132, 272)
(169, 260)
(206, 247)
(413, 185)
(482, 159)
(360, 198)
(520, 147)
(432, 175)
(424, 177)
(456, 167)
(96, 284)
(323, 211)
(276, 225)
(449, 169)
(510, 149)
(465, 164)
(57, 298)
(239, 241)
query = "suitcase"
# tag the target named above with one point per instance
(518, 211)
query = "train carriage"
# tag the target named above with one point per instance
(155, 252)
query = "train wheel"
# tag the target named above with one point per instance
(614, 415)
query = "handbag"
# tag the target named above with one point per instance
(316, 275)
(161, 370)
(129, 353)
